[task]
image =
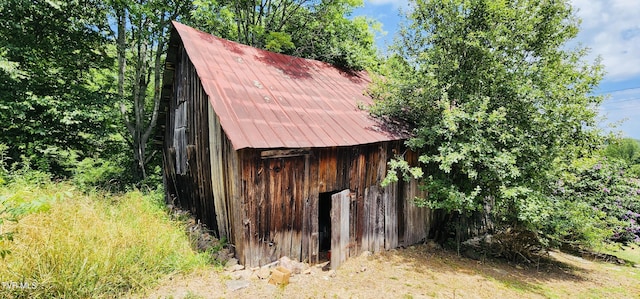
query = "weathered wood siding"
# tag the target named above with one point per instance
(272, 197)
(187, 162)
(417, 220)
(280, 194)
(225, 179)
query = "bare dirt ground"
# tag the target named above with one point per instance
(420, 272)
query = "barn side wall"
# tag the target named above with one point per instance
(187, 163)
(225, 180)
(280, 193)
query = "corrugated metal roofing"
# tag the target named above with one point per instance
(270, 100)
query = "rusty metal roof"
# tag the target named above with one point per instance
(271, 100)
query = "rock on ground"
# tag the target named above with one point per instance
(294, 266)
(234, 285)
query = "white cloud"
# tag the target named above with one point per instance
(612, 30)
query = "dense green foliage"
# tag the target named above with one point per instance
(593, 199)
(319, 30)
(53, 100)
(626, 150)
(495, 101)
(605, 187)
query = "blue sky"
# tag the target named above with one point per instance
(610, 28)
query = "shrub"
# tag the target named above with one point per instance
(634, 171)
(3, 163)
(576, 224)
(601, 185)
(93, 173)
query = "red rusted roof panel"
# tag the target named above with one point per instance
(270, 100)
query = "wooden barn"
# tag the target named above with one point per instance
(276, 154)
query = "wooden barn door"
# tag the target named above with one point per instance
(339, 227)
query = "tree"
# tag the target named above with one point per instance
(305, 28)
(142, 28)
(52, 101)
(626, 149)
(494, 99)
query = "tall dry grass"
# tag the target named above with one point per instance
(74, 245)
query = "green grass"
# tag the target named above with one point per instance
(78, 246)
(629, 253)
(603, 292)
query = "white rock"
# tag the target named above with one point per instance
(230, 263)
(234, 285)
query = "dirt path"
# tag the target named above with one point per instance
(420, 272)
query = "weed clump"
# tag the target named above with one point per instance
(94, 245)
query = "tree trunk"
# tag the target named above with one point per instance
(142, 34)
(121, 48)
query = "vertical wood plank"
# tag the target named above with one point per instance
(287, 203)
(379, 245)
(284, 218)
(373, 208)
(340, 203)
(335, 231)
(353, 183)
(393, 229)
(217, 176)
(409, 229)
(228, 173)
(298, 200)
(242, 227)
(387, 217)
(236, 218)
(345, 202)
(314, 193)
(259, 215)
(321, 170)
(276, 212)
(390, 217)
(306, 213)
(416, 218)
(360, 199)
(364, 243)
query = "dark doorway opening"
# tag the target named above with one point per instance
(324, 224)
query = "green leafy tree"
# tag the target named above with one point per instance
(141, 34)
(625, 149)
(492, 96)
(52, 104)
(314, 29)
